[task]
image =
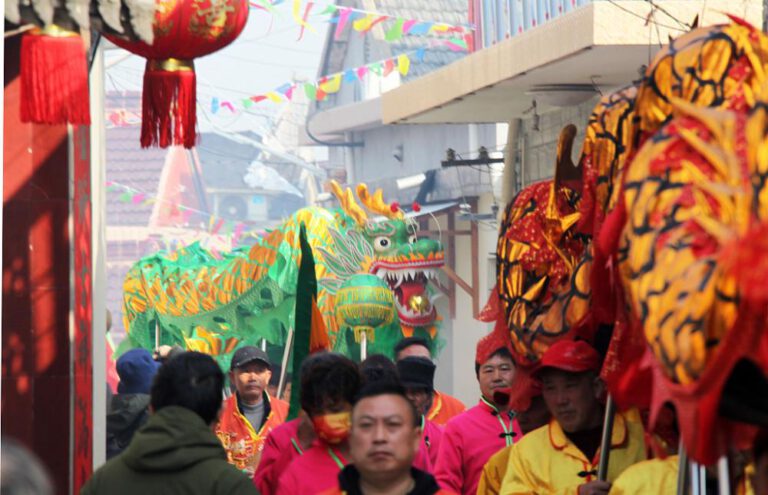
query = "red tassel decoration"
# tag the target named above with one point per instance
(54, 78)
(169, 104)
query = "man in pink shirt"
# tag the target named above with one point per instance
(327, 393)
(289, 440)
(472, 437)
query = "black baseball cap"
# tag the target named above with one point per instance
(248, 354)
(416, 372)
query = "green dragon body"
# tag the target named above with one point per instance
(216, 304)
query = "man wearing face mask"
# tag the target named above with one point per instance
(250, 413)
(327, 393)
(472, 437)
(289, 440)
(383, 442)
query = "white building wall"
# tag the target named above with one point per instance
(423, 148)
(539, 148)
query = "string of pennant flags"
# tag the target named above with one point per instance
(361, 20)
(216, 226)
(330, 84)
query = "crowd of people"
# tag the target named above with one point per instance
(378, 427)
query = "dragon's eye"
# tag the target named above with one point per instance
(381, 243)
(412, 239)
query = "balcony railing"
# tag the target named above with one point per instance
(498, 20)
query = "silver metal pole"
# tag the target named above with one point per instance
(695, 479)
(284, 369)
(157, 332)
(264, 345)
(605, 446)
(363, 345)
(682, 470)
(723, 476)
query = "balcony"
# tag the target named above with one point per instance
(502, 19)
(598, 47)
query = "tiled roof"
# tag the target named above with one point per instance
(129, 164)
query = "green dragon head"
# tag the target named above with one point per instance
(389, 247)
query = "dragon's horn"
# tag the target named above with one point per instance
(376, 203)
(565, 170)
(348, 203)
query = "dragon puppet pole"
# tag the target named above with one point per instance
(284, 362)
(605, 446)
(682, 470)
(363, 345)
(723, 476)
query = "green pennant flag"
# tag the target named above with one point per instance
(376, 68)
(311, 91)
(306, 292)
(329, 10)
(396, 31)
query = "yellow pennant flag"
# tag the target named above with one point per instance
(273, 96)
(403, 64)
(365, 23)
(332, 85)
(297, 17)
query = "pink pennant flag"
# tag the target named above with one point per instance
(362, 71)
(343, 17)
(289, 93)
(407, 25)
(138, 198)
(186, 216)
(238, 232)
(217, 227)
(229, 105)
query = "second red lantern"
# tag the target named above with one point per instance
(184, 30)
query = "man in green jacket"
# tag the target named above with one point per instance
(176, 451)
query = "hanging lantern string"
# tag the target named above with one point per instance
(367, 18)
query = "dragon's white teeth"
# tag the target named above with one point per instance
(381, 273)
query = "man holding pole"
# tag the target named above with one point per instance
(562, 457)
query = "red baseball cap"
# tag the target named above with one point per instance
(574, 356)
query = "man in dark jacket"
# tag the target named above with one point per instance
(129, 409)
(385, 435)
(176, 452)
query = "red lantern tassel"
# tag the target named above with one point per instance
(169, 104)
(54, 78)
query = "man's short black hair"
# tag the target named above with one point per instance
(411, 341)
(501, 352)
(191, 380)
(328, 378)
(376, 389)
(377, 368)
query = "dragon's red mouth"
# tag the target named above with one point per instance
(408, 282)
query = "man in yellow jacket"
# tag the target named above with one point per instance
(561, 457)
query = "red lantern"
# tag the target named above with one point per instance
(184, 30)
(54, 77)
